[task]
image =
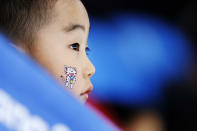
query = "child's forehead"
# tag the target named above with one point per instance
(74, 6)
(71, 11)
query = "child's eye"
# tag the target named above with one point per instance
(87, 50)
(75, 46)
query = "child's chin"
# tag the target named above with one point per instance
(83, 98)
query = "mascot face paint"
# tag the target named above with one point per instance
(70, 76)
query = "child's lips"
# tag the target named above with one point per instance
(87, 92)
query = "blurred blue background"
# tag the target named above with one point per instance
(135, 55)
(145, 56)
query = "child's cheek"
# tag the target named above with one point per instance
(71, 79)
(77, 88)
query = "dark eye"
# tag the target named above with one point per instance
(87, 50)
(75, 46)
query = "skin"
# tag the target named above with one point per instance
(55, 45)
(146, 121)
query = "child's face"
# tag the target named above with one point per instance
(62, 44)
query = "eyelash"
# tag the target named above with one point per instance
(76, 47)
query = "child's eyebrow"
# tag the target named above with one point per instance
(73, 27)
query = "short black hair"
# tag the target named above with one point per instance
(20, 19)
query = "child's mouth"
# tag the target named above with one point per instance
(87, 92)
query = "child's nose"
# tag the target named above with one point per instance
(89, 69)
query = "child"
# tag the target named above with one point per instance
(54, 33)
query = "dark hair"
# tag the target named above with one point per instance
(20, 19)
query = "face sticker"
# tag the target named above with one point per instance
(70, 76)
